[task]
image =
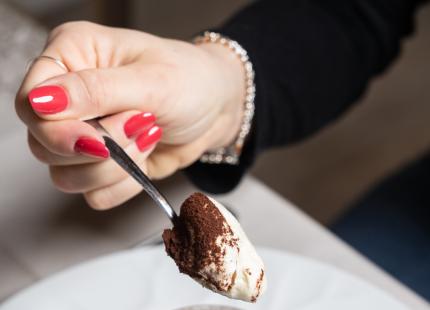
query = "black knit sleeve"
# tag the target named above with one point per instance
(312, 60)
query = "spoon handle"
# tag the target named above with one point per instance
(122, 159)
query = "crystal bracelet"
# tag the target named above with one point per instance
(230, 154)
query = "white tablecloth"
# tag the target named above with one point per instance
(43, 231)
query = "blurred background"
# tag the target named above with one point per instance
(386, 129)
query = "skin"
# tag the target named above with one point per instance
(196, 93)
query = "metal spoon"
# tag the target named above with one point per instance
(122, 159)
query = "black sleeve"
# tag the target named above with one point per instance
(312, 60)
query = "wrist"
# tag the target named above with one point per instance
(232, 87)
(230, 153)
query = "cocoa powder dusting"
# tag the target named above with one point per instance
(193, 245)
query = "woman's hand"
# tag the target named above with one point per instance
(139, 85)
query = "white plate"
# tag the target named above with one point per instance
(146, 279)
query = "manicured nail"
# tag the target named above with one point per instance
(90, 146)
(139, 123)
(48, 99)
(148, 138)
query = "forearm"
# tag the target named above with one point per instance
(312, 60)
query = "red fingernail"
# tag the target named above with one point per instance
(91, 147)
(48, 99)
(148, 138)
(139, 123)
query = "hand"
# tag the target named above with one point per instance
(139, 85)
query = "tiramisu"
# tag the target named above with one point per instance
(209, 245)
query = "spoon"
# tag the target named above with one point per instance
(121, 158)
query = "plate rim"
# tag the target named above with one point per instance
(153, 248)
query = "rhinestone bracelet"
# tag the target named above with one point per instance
(230, 154)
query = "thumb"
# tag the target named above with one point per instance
(93, 93)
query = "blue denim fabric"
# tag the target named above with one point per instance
(391, 226)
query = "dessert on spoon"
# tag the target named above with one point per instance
(206, 241)
(210, 246)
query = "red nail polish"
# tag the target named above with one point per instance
(48, 99)
(148, 138)
(90, 146)
(139, 123)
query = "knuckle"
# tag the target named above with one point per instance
(55, 141)
(57, 30)
(159, 169)
(60, 29)
(184, 160)
(101, 199)
(161, 75)
(94, 88)
(151, 171)
(165, 74)
(73, 30)
(72, 26)
(81, 24)
(62, 179)
(38, 151)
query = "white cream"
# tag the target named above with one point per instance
(242, 273)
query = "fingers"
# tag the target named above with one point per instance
(93, 93)
(167, 159)
(81, 178)
(43, 155)
(89, 92)
(82, 45)
(125, 128)
(54, 103)
(114, 195)
(69, 138)
(89, 177)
